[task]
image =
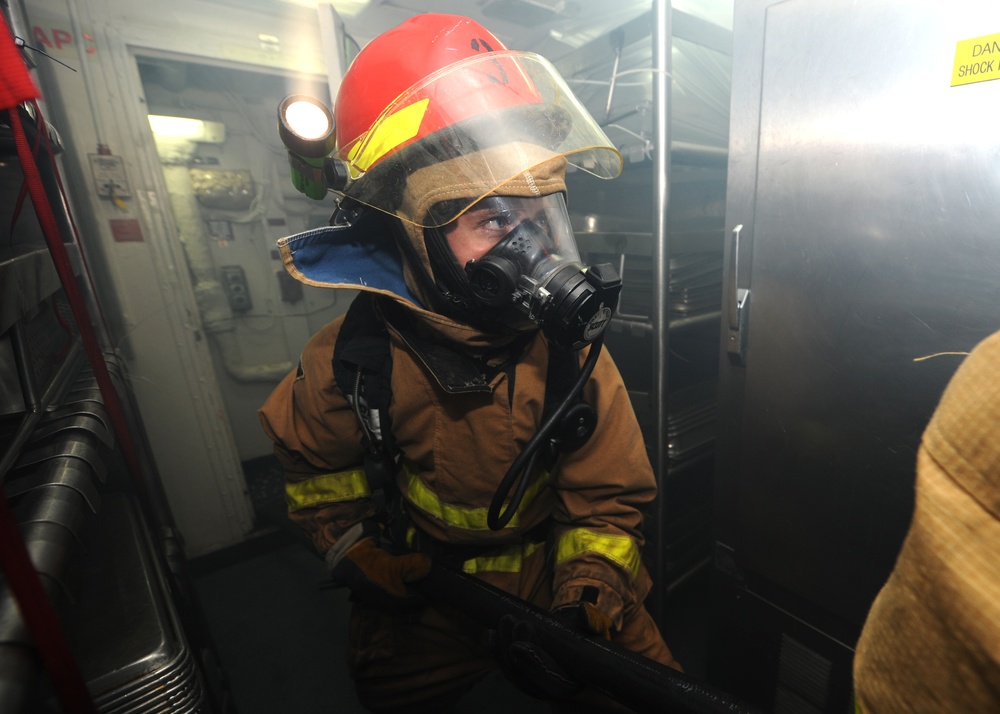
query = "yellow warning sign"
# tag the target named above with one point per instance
(976, 60)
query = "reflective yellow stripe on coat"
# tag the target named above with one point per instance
(473, 519)
(326, 488)
(618, 549)
(505, 560)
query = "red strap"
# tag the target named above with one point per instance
(50, 228)
(23, 192)
(23, 579)
(15, 81)
(43, 137)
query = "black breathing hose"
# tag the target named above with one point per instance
(497, 517)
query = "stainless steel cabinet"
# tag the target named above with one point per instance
(863, 197)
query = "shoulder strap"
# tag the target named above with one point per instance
(362, 368)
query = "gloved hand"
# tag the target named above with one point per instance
(586, 616)
(374, 574)
(525, 663)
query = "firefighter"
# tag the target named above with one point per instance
(400, 430)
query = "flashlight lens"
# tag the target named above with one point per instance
(307, 120)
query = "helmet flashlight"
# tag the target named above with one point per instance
(306, 128)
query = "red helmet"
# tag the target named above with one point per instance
(403, 56)
(440, 86)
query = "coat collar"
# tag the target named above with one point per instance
(365, 256)
(359, 256)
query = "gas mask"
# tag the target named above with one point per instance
(533, 269)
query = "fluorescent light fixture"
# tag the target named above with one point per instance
(349, 8)
(344, 8)
(209, 132)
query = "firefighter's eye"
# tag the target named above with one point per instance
(497, 222)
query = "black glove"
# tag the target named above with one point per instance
(525, 663)
(374, 574)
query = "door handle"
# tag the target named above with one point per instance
(739, 305)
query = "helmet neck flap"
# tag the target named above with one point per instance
(432, 271)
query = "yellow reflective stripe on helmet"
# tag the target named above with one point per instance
(386, 134)
(326, 488)
(618, 549)
(504, 560)
(473, 519)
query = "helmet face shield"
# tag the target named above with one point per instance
(491, 116)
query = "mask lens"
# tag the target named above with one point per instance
(545, 218)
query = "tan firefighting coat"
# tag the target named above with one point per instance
(931, 642)
(455, 447)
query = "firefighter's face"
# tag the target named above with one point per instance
(473, 234)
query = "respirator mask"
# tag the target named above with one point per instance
(533, 270)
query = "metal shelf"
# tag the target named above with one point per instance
(29, 277)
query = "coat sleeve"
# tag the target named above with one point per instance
(604, 489)
(318, 442)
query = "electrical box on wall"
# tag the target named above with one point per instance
(234, 282)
